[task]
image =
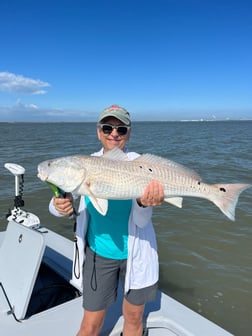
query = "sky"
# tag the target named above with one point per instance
(66, 60)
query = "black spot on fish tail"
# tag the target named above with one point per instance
(223, 189)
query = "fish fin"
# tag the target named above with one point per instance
(228, 197)
(100, 204)
(116, 154)
(176, 201)
(179, 168)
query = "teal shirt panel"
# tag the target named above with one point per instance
(108, 235)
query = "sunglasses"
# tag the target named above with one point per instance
(108, 129)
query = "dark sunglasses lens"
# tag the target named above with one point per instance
(122, 130)
(107, 129)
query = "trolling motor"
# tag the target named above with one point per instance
(17, 214)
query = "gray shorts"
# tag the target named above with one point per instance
(100, 283)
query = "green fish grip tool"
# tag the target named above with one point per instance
(62, 194)
(57, 191)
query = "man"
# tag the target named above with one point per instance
(118, 246)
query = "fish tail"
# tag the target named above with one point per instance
(228, 196)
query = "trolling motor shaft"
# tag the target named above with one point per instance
(18, 171)
(17, 215)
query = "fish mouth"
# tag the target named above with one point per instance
(42, 176)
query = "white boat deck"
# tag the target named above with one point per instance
(165, 316)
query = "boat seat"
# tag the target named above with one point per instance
(21, 253)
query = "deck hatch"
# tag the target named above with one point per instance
(21, 253)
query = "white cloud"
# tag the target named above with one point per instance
(21, 111)
(33, 106)
(10, 82)
(21, 106)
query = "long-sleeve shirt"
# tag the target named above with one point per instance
(142, 262)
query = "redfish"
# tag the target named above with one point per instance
(114, 176)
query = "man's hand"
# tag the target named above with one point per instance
(153, 195)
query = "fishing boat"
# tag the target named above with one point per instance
(37, 296)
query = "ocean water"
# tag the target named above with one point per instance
(205, 259)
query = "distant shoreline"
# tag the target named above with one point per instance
(134, 121)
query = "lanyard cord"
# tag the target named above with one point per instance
(9, 304)
(76, 262)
